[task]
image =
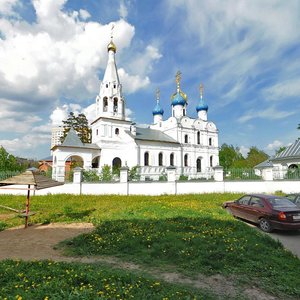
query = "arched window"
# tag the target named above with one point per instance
(184, 111)
(198, 137)
(96, 131)
(115, 105)
(117, 131)
(198, 165)
(210, 141)
(211, 161)
(114, 86)
(146, 159)
(105, 104)
(186, 138)
(172, 159)
(186, 158)
(160, 159)
(106, 85)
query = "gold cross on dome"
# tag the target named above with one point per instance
(112, 30)
(178, 77)
(157, 94)
(201, 90)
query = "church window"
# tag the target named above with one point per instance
(117, 131)
(172, 159)
(160, 159)
(186, 138)
(96, 131)
(186, 158)
(210, 141)
(115, 105)
(184, 111)
(198, 163)
(146, 159)
(114, 86)
(105, 104)
(106, 85)
(198, 137)
(211, 161)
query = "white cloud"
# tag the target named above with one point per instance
(7, 6)
(84, 14)
(270, 113)
(123, 12)
(143, 62)
(129, 114)
(244, 151)
(242, 40)
(274, 145)
(132, 83)
(58, 56)
(58, 115)
(90, 112)
(282, 90)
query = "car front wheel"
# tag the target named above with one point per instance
(265, 225)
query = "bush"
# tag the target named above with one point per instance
(106, 174)
(90, 176)
(183, 178)
(133, 173)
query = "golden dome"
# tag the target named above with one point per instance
(112, 46)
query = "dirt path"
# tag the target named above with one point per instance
(37, 242)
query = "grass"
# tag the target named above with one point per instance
(52, 280)
(190, 234)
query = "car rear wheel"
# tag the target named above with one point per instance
(265, 225)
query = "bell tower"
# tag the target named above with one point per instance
(110, 102)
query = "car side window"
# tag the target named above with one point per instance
(255, 201)
(244, 200)
(291, 197)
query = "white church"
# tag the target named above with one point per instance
(187, 144)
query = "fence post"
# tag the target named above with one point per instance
(267, 173)
(218, 173)
(124, 174)
(171, 173)
(77, 177)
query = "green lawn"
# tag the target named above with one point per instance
(189, 234)
(52, 280)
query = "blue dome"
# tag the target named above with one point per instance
(157, 110)
(179, 99)
(201, 105)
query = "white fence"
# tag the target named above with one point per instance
(172, 188)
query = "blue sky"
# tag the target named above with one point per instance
(246, 54)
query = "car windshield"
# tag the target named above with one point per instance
(281, 202)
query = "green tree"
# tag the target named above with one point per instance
(228, 155)
(281, 149)
(106, 174)
(255, 156)
(8, 162)
(80, 124)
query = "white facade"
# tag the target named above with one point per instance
(190, 145)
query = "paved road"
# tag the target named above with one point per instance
(289, 239)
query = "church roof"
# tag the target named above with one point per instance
(265, 164)
(73, 140)
(148, 134)
(290, 152)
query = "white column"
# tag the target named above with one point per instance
(171, 173)
(267, 173)
(77, 175)
(124, 174)
(218, 173)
